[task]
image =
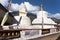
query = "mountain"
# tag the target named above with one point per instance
(56, 20)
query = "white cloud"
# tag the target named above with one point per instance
(57, 15)
(4, 2)
(30, 7)
(14, 7)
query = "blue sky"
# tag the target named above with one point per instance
(52, 6)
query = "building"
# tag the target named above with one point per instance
(22, 19)
(41, 21)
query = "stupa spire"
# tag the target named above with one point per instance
(23, 9)
(25, 6)
(41, 7)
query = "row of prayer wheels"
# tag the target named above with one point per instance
(9, 34)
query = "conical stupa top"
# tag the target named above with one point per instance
(41, 7)
(25, 6)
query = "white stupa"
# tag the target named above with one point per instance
(42, 18)
(22, 18)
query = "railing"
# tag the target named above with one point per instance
(14, 33)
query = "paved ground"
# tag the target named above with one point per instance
(50, 37)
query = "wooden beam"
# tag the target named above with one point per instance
(20, 29)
